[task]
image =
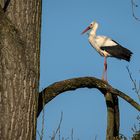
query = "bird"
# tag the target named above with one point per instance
(106, 47)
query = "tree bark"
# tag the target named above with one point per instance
(113, 120)
(110, 116)
(20, 29)
(117, 116)
(57, 88)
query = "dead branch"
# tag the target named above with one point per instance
(135, 87)
(57, 88)
(53, 137)
(134, 5)
(107, 90)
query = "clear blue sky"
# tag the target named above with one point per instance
(65, 53)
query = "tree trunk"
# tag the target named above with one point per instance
(113, 120)
(19, 68)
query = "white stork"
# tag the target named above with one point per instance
(106, 47)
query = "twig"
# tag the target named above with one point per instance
(137, 89)
(38, 134)
(134, 5)
(72, 134)
(96, 137)
(58, 129)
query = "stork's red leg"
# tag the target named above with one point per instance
(105, 65)
(104, 76)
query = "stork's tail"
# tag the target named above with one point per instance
(126, 55)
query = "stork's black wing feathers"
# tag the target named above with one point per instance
(118, 51)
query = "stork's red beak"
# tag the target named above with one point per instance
(86, 30)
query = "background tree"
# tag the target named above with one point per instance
(20, 25)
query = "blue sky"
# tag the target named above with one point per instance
(65, 53)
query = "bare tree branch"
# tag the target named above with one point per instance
(134, 5)
(113, 121)
(57, 88)
(135, 87)
(53, 137)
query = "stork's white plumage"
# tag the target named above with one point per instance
(106, 47)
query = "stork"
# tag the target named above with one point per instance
(106, 47)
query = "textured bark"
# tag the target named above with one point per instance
(57, 88)
(110, 116)
(4, 4)
(117, 116)
(113, 120)
(19, 69)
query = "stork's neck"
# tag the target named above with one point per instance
(93, 32)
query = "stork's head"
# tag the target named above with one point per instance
(93, 25)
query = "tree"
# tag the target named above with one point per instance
(19, 68)
(20, 25)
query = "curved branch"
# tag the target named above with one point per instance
(57, 88)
